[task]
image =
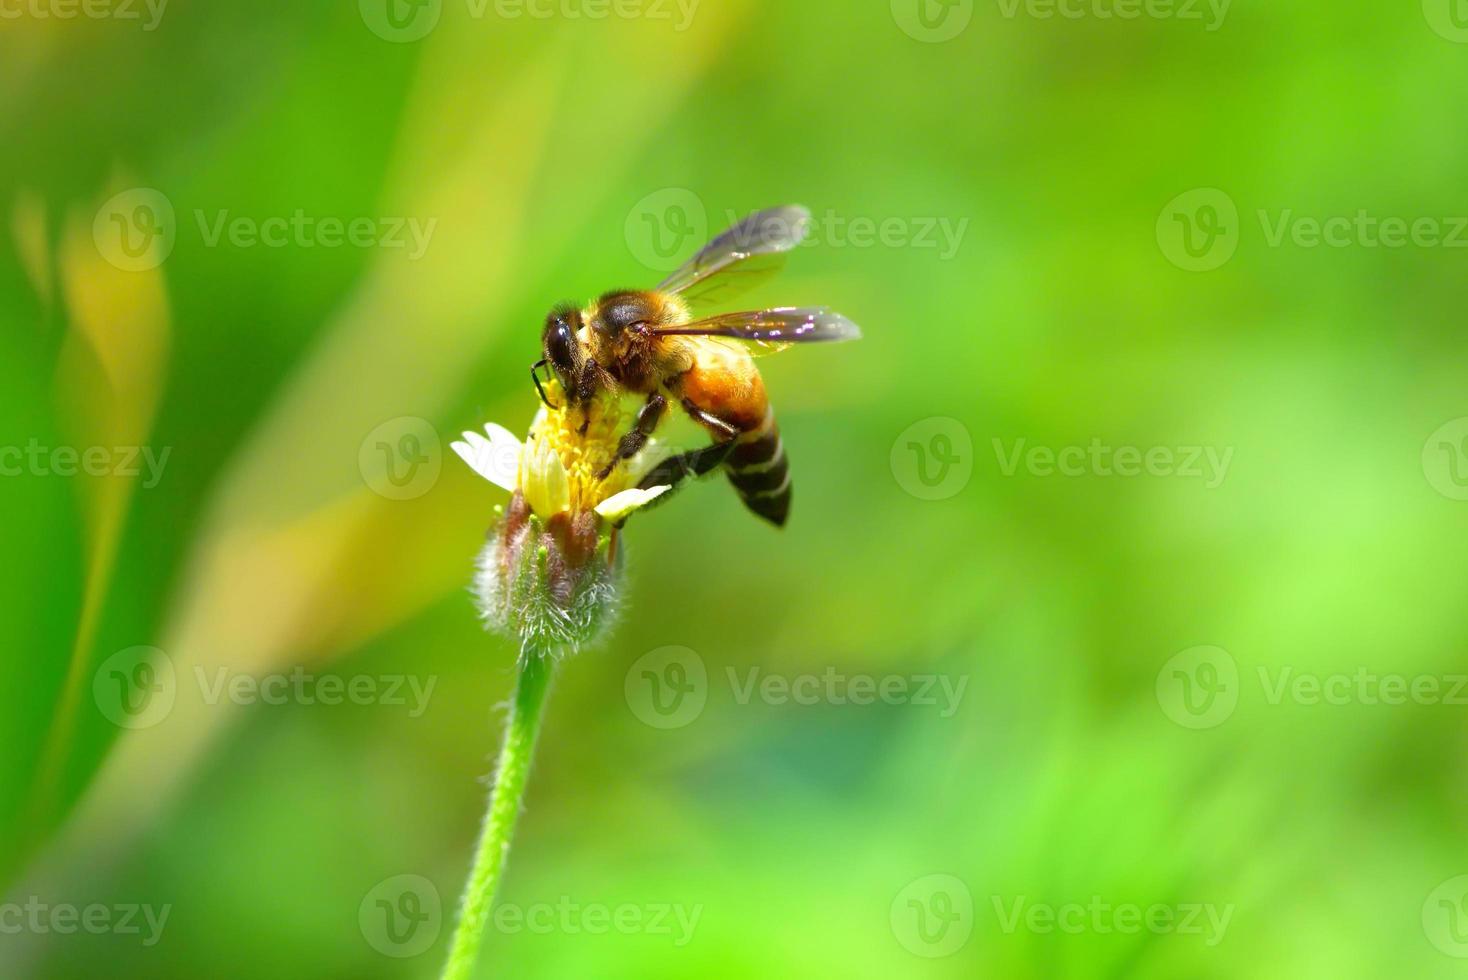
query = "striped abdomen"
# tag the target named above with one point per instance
(760, 472)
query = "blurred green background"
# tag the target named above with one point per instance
(1058, 228)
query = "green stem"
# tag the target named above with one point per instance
(499, 821)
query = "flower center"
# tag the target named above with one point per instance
(584, 454)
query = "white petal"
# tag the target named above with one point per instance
(499, 434)
(557, 483)
(619, 505)
(543, 479)
(497, 458)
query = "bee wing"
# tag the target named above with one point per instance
(768, 331)
(742, 257)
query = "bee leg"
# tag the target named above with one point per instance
(631, 444)
(699, 462)
(672, 472)
(723, 431)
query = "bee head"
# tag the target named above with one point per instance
(561, 348)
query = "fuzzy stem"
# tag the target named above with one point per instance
(499, 821)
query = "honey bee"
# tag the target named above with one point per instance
(647, 342)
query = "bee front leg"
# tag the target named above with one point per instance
(631, 444)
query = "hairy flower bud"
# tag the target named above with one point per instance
(550, 572)
(554, 584)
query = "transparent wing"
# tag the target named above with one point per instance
(742, 257)
(768, 331)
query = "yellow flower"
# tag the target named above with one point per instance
(550, 571)
(556, 468)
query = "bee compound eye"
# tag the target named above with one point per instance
(560, 344)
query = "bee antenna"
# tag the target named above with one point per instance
(535, 377)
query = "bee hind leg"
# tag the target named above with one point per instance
(675, 470)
